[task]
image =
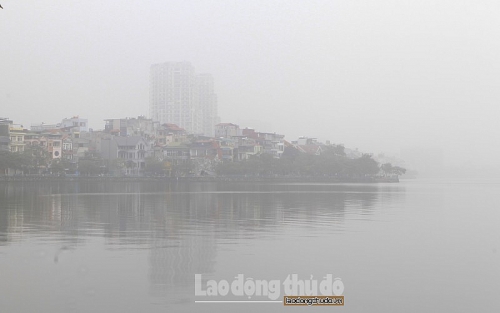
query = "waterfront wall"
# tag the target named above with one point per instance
(370, 179)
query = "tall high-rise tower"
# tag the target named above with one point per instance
(208, 103)
(177, 95)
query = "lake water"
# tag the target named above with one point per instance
(416, 246)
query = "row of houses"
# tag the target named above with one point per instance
(131, 141)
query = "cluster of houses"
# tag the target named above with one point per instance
(131, 141)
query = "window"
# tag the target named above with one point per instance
(172, 153)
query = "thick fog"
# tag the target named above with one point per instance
(380, 76)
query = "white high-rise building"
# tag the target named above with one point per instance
(178, 96)
(208, 103)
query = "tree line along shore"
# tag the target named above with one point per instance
(332, 164)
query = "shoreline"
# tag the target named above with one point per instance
(200, 179)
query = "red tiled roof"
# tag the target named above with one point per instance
(173, 127)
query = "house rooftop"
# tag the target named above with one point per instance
(310, 149)
(173, 127)
(226, 124)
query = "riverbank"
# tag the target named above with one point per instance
(374, 179)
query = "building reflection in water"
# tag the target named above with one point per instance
(179, 225)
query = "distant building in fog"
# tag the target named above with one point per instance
(76, 123)
(227, 130)
(207, 102)
(308, 145)
(180, 96)
(5, 134)
(11, 136)
(131, 126)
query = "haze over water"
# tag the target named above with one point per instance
(375, 75)
(127, 247)
(417, 80)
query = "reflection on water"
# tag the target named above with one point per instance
(136, 213)
(179, 225)
(142, 243)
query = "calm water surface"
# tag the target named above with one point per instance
(416, 246)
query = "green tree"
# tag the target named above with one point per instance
(398, 170)
(88, 167)
(60, 166)
(331, 163)
(115, 166)
(18, 161)
(388, 169)
(7, 160)
(338, 150)
(57, 166)
(365, 165)
(154, 166)
(39, 158)
(290, 153)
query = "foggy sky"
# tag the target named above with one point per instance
(374, 75)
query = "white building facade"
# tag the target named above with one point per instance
(179, 96)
